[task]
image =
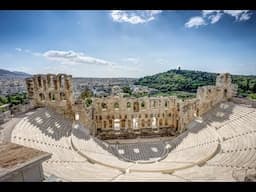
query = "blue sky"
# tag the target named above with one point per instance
(128, 43)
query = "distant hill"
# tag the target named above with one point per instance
(188, 81)
(18, 74)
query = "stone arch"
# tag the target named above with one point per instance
(135, 123)
(117, 124)
(128, 105)
(123, 123)
(55, 84)
(62, 81)
(50, 81)
(154, 122)
(143, 123)
(129, 124)
(44, 84)
(154, 103)
(160, 122)
(166, 121)
(116, 105)
(41, 96)
(39, 82)
(62, 96)
(110, 121)
(104, 124)
(143, 105)
(149, 123)
(104, 105)
(136, 106)
(166, 103)
(225, 93)
(52, 96)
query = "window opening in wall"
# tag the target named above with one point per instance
(44, 83)
(149, 123)
(39, 82)
(143, 123)
(62, 81)
(129, 124)
(55, 84)
(154, 122)
(136, 107)
(42, 97)
(166, 122)
(110, 124)
(104, 105)
(143, 104)
(122, 123)
(117, 124)
(135, 123)
(62, 96)
(161, 122)
(116, 106)
(225, 93)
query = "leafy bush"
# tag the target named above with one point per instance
(88, 102)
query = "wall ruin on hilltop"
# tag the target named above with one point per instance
(119, 117)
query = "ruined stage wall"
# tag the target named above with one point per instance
(119, 117)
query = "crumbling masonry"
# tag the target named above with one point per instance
(118, 117)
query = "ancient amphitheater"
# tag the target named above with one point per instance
(218, 144)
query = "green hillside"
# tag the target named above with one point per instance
(184, 83)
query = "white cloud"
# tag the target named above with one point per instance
(195, 22)
(215, 18)
(77, 58)
(73, 58)
(245, 17)
(235, 13)
(134, 17)
(18, 49)
(208, 12)
(240, 15)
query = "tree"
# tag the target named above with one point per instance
(254, 88)
(127, 89)
(247, 84)
(86, 93)
(3, 100)
(88, 102)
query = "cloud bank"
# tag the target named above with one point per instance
(73, 58)
(214, 16)
(134, 17)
